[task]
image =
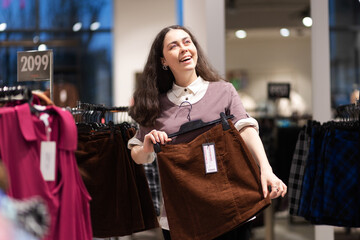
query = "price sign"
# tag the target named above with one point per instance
(278, 90)
(34, 65)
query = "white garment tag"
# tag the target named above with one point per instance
(45, 119)
(47, 160)
(210, 157)
(39, 107)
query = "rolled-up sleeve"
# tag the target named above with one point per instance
(247, 122)
(236, 108)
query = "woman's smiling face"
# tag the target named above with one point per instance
(179, 51)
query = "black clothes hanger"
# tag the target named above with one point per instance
(349, 112)
(21, 94)
(197, 124)
(349, 115)
(89, 112)
(348, 118)
(95, 117)
(17, 93)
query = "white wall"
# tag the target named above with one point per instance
(136, 24)
(267, 58)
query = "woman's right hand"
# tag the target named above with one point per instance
(154, 137)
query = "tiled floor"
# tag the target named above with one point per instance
(299, 229)
(284, 229)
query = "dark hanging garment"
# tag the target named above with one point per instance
(203, 206)
(121, 201)
(340, 180)
(297, 171)
(330, 189)
(311, 171)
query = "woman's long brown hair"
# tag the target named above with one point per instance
(155, 80)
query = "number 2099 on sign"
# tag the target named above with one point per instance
(37, 63)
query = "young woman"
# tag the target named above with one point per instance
(178, 85)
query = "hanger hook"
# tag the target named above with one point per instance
(181, 105)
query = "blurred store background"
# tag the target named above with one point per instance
(100, 47)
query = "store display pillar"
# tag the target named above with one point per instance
(320, 54)
(206, 19)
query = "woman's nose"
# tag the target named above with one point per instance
(183, 48)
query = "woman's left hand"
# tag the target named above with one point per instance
(277, 187)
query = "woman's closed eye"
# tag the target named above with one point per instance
(187, 41)
(172, 46)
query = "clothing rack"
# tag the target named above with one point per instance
(349, 112)
(89, 112)
(20, 140)
(100, 107)
(103, 158)
(17, 93)
(322, 151)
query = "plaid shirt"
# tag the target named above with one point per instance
(152, 175)
(297, 171)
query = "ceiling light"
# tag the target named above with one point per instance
(77, 26)
(42, 47)
(36, 39)
(284, 32)
(2, 27)
(240, 34)
(94, 26)
(307, 21)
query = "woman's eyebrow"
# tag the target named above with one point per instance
(172, 42)
(177, 41)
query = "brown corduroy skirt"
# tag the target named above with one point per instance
(203, 206)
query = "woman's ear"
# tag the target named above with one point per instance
(163, 62)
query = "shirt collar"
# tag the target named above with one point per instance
(67, 135)
(193, 88)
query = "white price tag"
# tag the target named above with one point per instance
(47, 160)
(210, 157)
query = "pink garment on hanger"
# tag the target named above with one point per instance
(67, 199)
